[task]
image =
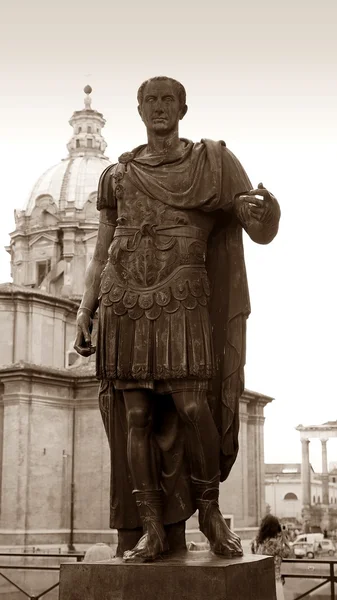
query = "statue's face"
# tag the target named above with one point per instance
(160, 108)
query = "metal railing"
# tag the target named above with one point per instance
(326, 578)
(78, 556)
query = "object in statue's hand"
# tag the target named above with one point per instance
(256, 205)
(84, 348)
(82, 343)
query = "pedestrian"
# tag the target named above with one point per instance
(271, 541)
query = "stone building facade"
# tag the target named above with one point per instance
(326, 516)
(54, 456)
(284, 491)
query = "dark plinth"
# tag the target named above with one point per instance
(193, 576)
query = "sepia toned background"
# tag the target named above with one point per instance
(261, 76)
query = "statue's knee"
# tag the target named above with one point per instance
(138, 417)
(190, 411)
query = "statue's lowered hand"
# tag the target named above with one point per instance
(82, 343)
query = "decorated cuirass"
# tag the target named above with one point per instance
(157, 256)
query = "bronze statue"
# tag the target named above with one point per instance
(168, 275)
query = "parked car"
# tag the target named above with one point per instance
(302, 549)
(324, 547)
(309, 537)
(312, 550)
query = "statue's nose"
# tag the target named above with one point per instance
(158, 108)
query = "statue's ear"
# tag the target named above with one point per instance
(140, 111)
(183, 111)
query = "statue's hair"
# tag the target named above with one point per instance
(179, 88)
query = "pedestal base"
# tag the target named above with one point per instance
(191, 576)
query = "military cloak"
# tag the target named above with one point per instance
(214, 179)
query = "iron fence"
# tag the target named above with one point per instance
(323, 578)
(326, 578)
(78, 556)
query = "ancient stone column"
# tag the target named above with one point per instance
(306, 483)
(325, 473)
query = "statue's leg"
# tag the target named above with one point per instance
(141, 460)
(145, 477)
(203, 447)
(175, 533)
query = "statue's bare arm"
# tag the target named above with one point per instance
(93, 274)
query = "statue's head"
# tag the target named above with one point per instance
(161, 104)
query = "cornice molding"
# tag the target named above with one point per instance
(39, 373)
(256, 397)
(25, 294)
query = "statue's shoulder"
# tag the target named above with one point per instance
(105, 188)
(213, 143)
(215, 151)
(127, 157)
(108, 171)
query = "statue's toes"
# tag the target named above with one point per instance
(227, 551)
(235, 546)
(146, 550)
(134, 556)
(237, 550)
(228, 548)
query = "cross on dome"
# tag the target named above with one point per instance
(87, 99)
(76, 177)
(87, 125)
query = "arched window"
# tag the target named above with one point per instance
(77, 143)
(318, 499)
(313, 499)
(89, 129)
(79, 129)
(290, 496)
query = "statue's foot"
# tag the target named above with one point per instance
(222, 540)
(151, 546)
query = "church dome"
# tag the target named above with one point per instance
(55, 234)
(75, 179)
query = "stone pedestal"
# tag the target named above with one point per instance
(191, 576)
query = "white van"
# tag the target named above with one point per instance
(309, 537)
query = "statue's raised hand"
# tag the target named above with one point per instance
(82, 342)
(249, 207)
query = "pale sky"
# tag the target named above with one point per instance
(262, 76)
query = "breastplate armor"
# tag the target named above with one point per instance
(157, 256)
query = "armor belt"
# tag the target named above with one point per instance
(146, 229)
